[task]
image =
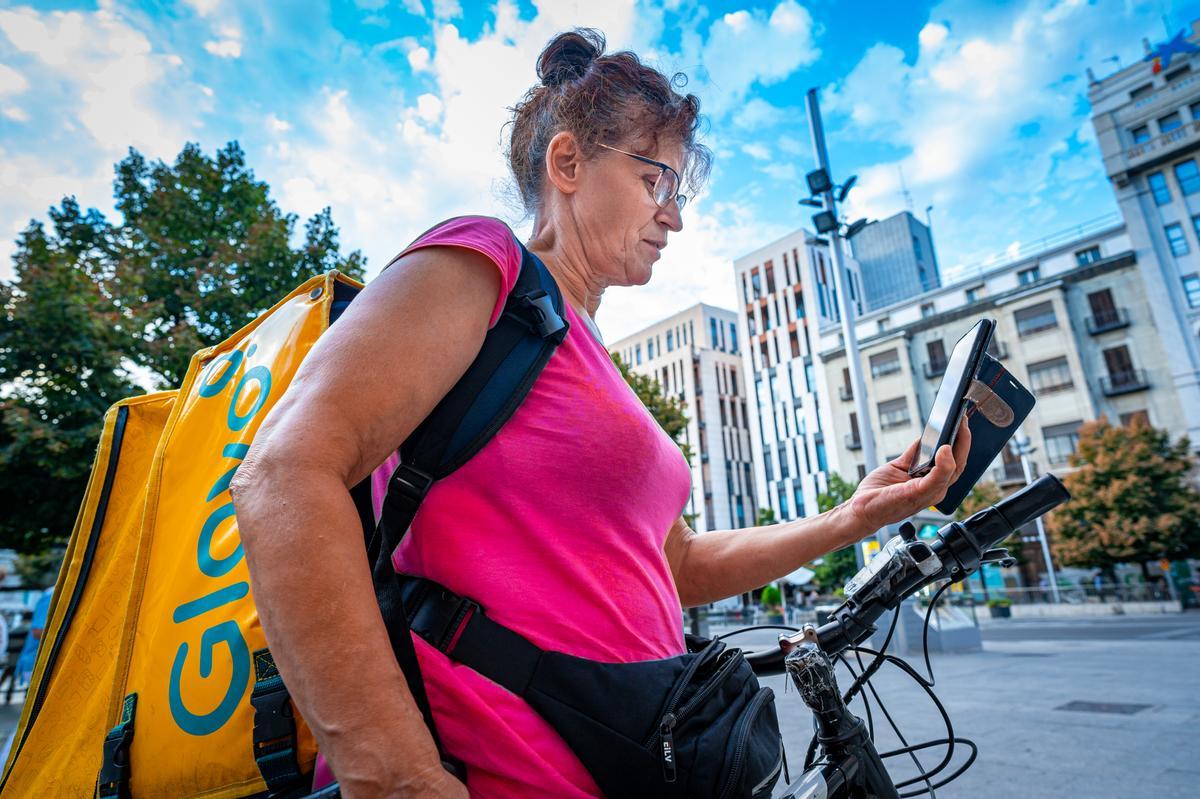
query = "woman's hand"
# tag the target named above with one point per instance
(888, 495)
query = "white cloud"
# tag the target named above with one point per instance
(101, 88)
(203, 8)
(11, 81)
(747, 48)
(415, 7)
(229, 45)
(446, 9)
(277, 125)
(957, 108)
(418, 59)
(757, 151)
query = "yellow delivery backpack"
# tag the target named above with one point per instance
(149, 655)
(153, 677)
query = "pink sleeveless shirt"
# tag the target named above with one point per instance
(556, 527)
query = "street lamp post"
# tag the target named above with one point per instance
(1023, 448)
(827, 222)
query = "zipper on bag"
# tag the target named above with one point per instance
(741, 736)
(719, 676)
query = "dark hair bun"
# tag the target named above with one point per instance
(568, 55)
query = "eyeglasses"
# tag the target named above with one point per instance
(666, 185)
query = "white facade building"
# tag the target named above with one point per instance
(785, 289)
(695, 357)
(1147, 121)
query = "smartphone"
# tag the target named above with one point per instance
(951, 402)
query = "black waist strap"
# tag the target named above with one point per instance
(459, 628)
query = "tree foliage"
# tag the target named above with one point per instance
(1131, 499)
(200, 251)
(204, 250)
(835, 568)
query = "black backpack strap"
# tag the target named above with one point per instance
(113, 782)
(513, 354)
(459, 628)
(274, 738)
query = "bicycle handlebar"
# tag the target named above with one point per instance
(906, 565)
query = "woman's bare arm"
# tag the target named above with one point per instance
(369, 381)
(711, 566)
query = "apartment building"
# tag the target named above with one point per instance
(1073, 324)
(896, 260)
(695, 356)
(1147, 122)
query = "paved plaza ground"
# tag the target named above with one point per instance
(1009, 700)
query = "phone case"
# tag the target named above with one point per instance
(999, 403)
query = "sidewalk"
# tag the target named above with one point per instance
(1137, 738)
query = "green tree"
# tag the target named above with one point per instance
(835, 568)
(62, 341)
(204, 250)
(766, 517)
(984, 495)
(1132, 500)
(201, 250)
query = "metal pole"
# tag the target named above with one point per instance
(857, 385)
(1023, 449)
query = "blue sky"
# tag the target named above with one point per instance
(390, 111)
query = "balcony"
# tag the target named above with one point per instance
(1111, 319)
(935, 368)
(1011, 473)
(845, 393)
(1127, 382)
(853, 441)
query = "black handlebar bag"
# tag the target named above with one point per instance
(694, 725)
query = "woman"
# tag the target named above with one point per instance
(567, 525)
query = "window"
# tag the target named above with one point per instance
(756, 282)
(1061, 440)
(637, 353)
(1176, 239)
(894, 413)
(936, 350)
(733, 337)
(882, 324)
(1140, 134)
(1158, 187)
(795, 343)
(1191, 289)
(975, 293)
(1051, 375)
(1088, 256)
(1178, 73)
(1027, 276)
(917, 248)
(670, 341)
(1141, 91)
(1170, 122)
(885, 363)
(1188, 176)
(769, 268)
(650, 349)
(798, 498)
(714, 343)
(927, 310)
(1119, 363)
(1195, 109)
(1035, 319)
(1135, 418)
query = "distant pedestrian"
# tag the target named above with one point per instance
(37, 626)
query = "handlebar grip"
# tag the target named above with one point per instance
(1042, 495)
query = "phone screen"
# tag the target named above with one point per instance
(948, 405)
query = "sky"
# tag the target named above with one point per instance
(391, 112)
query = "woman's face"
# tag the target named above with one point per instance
(624, 229)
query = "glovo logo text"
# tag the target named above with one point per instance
(253, 383)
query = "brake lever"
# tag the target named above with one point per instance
(998, 556)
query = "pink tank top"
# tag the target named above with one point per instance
(556, 527)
